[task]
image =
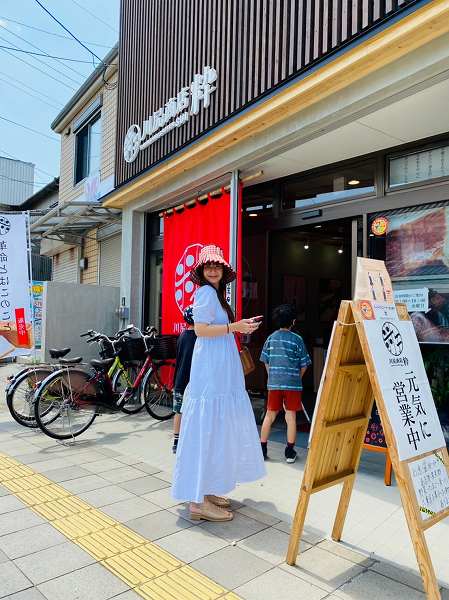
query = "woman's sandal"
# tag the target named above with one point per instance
(211, 512)
(219, 501)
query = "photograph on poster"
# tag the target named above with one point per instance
(431, 483)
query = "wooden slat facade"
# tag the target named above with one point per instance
(254, 45)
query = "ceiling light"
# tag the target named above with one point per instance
(306, 246)
(318, 226)
(353, 182)
(340, 251)
(253, 215)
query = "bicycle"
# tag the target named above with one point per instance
(21, 386)
(76, 397)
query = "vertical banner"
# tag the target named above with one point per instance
(38, 294)
(16, 334)
(185, 233)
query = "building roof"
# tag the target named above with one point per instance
(47, 190)
(110, 56)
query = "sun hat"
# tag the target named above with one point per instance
(212, 254)
(188, 315)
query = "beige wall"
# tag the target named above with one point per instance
(67, 190)
(91, 252)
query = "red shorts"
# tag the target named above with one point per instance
(288, 399)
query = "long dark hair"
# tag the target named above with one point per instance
(221, 293)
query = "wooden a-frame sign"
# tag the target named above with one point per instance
(349, 386)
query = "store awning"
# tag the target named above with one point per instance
(70, 223)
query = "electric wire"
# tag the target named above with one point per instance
(26, 86)
(23, 181)
(17, 48)
(70, 87)
(59, 58)
(29, 129)
(95, 16)
(41, 50)
(58, 35)
(35, 168)
(22, 91)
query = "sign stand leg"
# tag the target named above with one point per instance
(298, 526)
(342, 510)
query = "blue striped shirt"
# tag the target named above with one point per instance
(285, 354)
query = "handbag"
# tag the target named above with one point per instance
(248, 365)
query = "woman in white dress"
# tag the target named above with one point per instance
(219, 445)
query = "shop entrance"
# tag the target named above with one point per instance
(311, 268)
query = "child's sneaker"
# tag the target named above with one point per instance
(290, 454)
(264, 450)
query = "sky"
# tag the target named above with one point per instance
(33, 94)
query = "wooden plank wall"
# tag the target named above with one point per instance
(255, 45)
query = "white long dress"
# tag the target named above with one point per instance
(219, 445)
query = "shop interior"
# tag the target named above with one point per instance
(309, 267)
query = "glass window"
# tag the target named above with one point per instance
(419, 166)
(88, 149)
(333, 185)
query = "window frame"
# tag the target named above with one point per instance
(96, 116)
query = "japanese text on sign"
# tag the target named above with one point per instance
(405, 387)
(431, 482)
(415, 300)
(176, 112)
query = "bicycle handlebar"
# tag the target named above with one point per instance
(86, 333)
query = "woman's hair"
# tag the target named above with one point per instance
(221, 293)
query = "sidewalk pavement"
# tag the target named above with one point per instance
(116, 478)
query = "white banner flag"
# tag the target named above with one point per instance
(16, 335)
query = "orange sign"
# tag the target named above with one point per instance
(379, 226)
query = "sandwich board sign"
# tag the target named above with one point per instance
(374, 353)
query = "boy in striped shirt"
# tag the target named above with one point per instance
(286, 360)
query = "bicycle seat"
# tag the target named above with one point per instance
(71, 361)
(100, 365)
(59, 353)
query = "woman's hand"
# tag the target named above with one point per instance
(244, 326)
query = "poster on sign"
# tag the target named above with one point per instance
(185, 233)
(405, 388)
(431, 484)
(16, 332)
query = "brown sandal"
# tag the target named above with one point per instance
(218, 501)
(210, 512)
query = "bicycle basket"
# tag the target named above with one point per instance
(131, 349)
(106, 349)
(163, 347)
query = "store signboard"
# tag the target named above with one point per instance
(405, 388)
(38, 294)
(16, 335)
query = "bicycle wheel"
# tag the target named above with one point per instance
(65, 403)
(121, 381)
(20, 395)
(158, 395)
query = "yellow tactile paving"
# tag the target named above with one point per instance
(153, 573)
(63, 507)
(185, 583)
(83, 524)
(109, 542)
(142, 564)
(30, 482)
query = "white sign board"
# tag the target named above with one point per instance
(16, 335)
(405, 388)
(416, 300)
(431, 482)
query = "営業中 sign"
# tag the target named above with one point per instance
(405, 388)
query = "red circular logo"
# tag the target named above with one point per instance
(184, 287)
(379, 226)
